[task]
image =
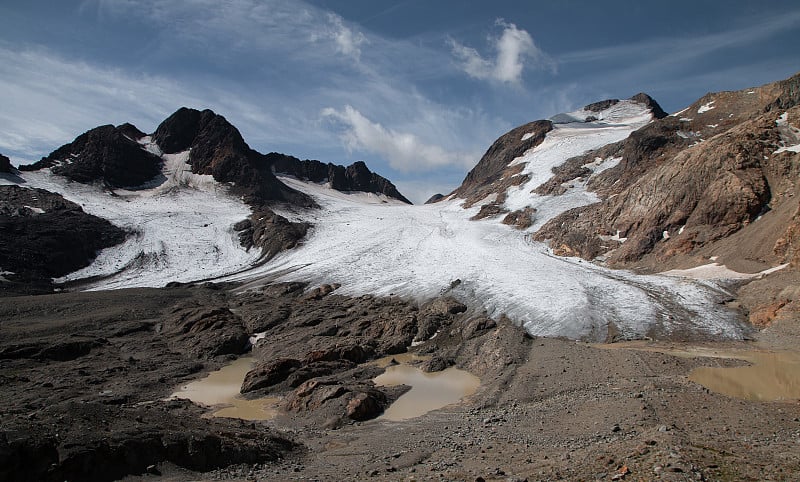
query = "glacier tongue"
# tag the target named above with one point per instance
(375, 246)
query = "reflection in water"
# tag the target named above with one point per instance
(429, 391)
(773, 376)
(222, 388)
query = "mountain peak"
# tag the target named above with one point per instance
(655, 108)
(5, 164)
(187, 127)
(106, 154)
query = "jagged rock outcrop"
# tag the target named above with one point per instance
(46, 236)
(355, 177)
(104, 154)
(316, 344)
(218, 149)
(5, 164)
(270, 232)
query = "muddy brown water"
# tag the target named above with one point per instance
(429, 391)
(771, 375)
(220, 390)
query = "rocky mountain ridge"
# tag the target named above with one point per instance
(713, 183)
(114, 156)
(125, 158)
(689, 181)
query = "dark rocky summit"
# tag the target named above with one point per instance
(5, 164)
(104, 154)
(435, 198)
(651, 103)
(355, 177)
(42, 236)
(218, 149)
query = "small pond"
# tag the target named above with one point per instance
(429, 391)
(220, 389)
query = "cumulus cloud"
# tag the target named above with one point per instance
(513, 48)
(404, 151)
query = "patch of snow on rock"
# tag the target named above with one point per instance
(569, 139)
(706, 107)
(716, 271)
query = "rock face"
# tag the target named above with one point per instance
(105, 154)
(493, 173)
(316, 343)
(46, 236)
(694, 183)
(218, 149)
(5, 164)
(355, 177)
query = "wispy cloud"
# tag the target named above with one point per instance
(404, 151)
(347, 41)
(678, 49)
(48, 101)
(513, 48)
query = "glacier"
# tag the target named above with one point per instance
(370, 244)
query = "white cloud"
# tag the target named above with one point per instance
(347, 41)
(513, 48)
(404, 151)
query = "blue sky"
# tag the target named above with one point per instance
(418, 89)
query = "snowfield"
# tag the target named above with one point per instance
(370, 244)
(181, 225)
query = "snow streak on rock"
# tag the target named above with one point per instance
(572, 136)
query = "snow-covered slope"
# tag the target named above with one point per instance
(374, 245)
(572, 136)
(182, 227)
